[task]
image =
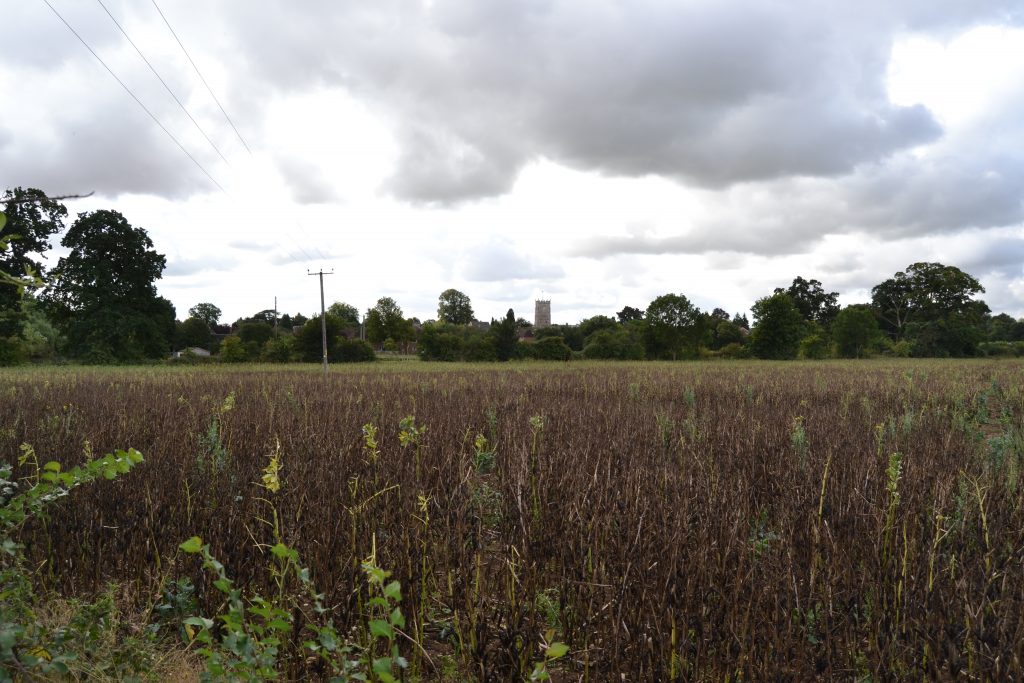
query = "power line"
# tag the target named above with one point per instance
(306, 235)
(163, 82)
(134, 97)
(208, 88)
(183, 108)
(157, 121)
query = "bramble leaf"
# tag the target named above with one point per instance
(192, 545)
(556, 650)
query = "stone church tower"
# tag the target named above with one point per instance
(542, 313)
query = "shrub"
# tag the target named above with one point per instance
(232, 350)
(353, 351)
(813, 347)
(552, 348)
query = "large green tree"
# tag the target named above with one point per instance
(933, 306)
(454, 307)
(813, 302)
(103, 292)
(206, 312)
(778, 327)
(628, 313)
(31, 219)
(386, 321)
(346, 313)
(675, 327)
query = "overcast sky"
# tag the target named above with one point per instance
(598, 152)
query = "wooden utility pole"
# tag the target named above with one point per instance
(323, 314)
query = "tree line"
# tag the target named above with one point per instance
(99, 304)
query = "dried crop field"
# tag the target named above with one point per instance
(668, 521)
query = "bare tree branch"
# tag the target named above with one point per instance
(29, 200)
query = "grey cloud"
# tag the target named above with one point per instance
(967, 181)
(711, 94)
(307, 182)
(987, 256)
(86, 132)
(107, 145)
(1002, 297)
(842, 263)
(30, 25)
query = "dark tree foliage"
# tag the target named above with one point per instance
(309, 340)
(352, 351)
(724, 333)
(778, 328)
(624, 342)
(675, 327)
(31, 219)
(552, 348)
(255, 331)
(932, 306)
(448, 342)
(386, 321)
(571, 334)
(1004, 328)
(104, 293)
(454, 307)
(813, 302)
(505, 336)
(741, 321)
(855, 330)
(206, 312)
(279, 349)
(595, 324)
(346, 313)
(192, 332)
(629, 313)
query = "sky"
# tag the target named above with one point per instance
(597, 153)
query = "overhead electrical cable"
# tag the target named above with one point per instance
(134, 97)
(163, 82)
(200, 74)
(156, 120)
(226, 116)
(306, 234)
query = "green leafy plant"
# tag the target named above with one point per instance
(370, 445)
(798, 437)
(483, 454)
(28, 647)
(246, 642)
(411, 435)
(552, 651)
